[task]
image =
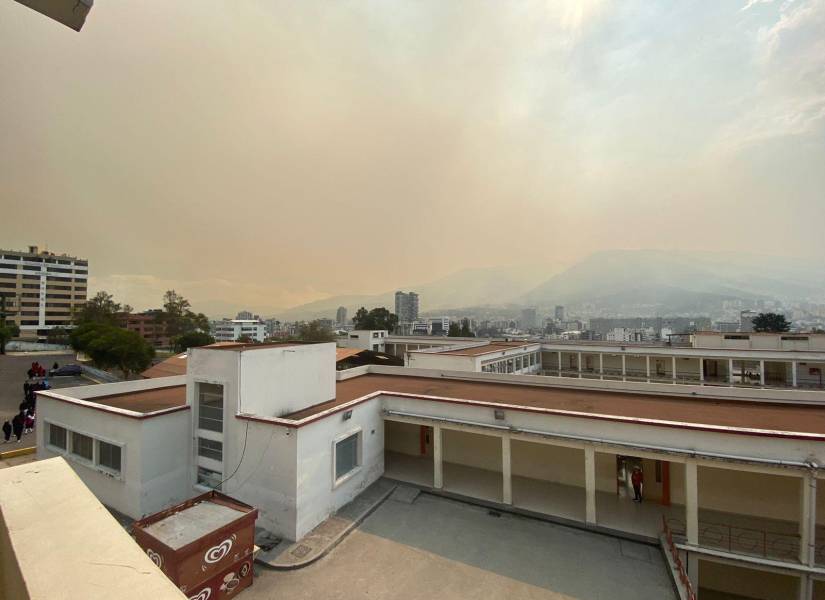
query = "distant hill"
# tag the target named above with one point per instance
(468, 287)
(681, 281)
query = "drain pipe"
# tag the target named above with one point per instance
(811, 465)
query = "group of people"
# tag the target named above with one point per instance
(23, 422)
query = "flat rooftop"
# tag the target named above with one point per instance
(485, 349)
(670, 410)
(145, 401)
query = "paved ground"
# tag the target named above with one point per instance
(439, 548)
(13, 373)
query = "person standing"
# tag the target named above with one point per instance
(637, 478)
(17, 424)
(6, 431)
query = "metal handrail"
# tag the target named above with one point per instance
(677, 560)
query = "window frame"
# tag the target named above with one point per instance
(222, 407)
(107, 468)
(65, 447)
(68, 453)
(75, 455)
(337, 480)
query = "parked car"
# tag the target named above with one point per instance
(67, 371)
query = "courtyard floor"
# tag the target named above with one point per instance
(441, 548)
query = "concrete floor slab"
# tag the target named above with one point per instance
(440, 548)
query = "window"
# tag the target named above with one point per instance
(57, 436)
(210, 449)
(737, 337)
(108, 455)
(210, 406)
(82, 446)
(209, 478)
(346, 456)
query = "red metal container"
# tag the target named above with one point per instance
(203, 543)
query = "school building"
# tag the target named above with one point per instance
(730, 474)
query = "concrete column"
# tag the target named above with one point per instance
(438, 473)
(647, 367)
(507, 479)
(580, 364)
(601, 365)
(762, 373)
(624, 367)
(673, 367)
(692, 519)
(730, 371)
(701, 370)
(806, 587)
(807, 521)
(793, 373)
(692, 502)
(559, 363)
(590, 484)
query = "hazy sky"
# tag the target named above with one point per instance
(265, 153)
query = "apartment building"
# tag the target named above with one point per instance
(42, 289)
(731, 474)
(406, 306)
(230, 330)
(148, 325)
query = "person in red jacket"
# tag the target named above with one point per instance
(637, 478)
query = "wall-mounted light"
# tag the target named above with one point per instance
(347, 415)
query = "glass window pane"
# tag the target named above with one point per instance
(210, 406)
(209, 478)
(82, 445)
(108, 455)
(57, 436)
(346, 456)
(210, 449)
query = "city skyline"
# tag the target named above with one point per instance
(592, 125)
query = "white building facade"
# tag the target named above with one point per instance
(231, 330)
(276, 427)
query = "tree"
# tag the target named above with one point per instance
(465, 328)
(193, 339)
(771, 322)
(377, 318)
(245, 339)
(102, 308)
(360, 317)
(314, 331)
(112, 347)
(7, 332)
(454, 331)
(178, 317)
(58, 335)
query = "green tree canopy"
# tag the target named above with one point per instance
(178, 317)
(455, 330)
(771, 322)
(314, 331)
(465, 328)
(7, 332)
(101, 308)
(377, 318)
(112, 347)
(192, 339)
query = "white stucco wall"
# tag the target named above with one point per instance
(280, 380)
(318, 495)
(154, 454)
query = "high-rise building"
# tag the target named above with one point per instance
(42, 290)
(406, 306)
(245, 315)
(559, 313)
(341, 315)
(746, 318)
(528, 318)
